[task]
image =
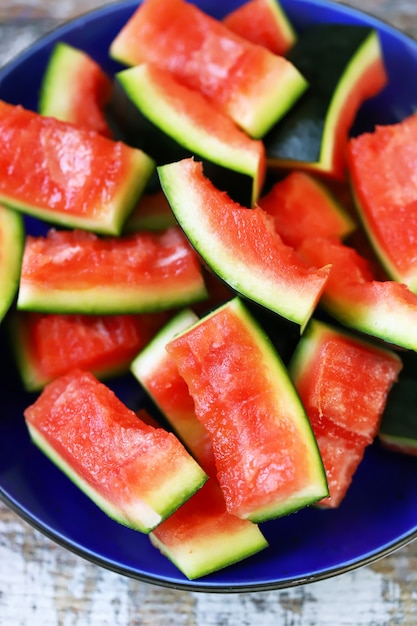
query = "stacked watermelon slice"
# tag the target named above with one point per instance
(165, 254)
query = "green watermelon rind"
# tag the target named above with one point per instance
(58, 78)
(30, 372)
(393, 324)
(286, 300)
(116, 211)
(12, 237)
(214, 552)
(158, 109)
(147, 360)
(367, 53)
(181, 486)
(410, 279)
(102, 300)
(286, 395)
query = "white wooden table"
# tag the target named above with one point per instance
(43, 584)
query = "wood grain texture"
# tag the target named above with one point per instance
(44, 584)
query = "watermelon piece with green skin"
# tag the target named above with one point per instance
(383, 309)
(136, 474)
(344, 382)
(82, 179)
(76, 271)
(12, 235)
(171, 121)
(158, 374)
(47, 346)
(201, 536)
(208, 57)
(75, 89)
(382, 172)
(266, 455)
(240, 245)
(344, 66)
(301, 205)
(263, 22)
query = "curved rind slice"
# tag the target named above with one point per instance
(75, 89)
(79, 272)
(344, 66)
(380, 308)
(12, 235)
(190, 120)
(263, 22)
(48, 345)
(81, 179)
(135, 473)
(266, 455)
(344, 382)
(201, 537)
(382, 166)
(240, 245)
(205, 55)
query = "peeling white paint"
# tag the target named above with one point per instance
(352, 599)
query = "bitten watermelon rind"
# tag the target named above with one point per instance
(235, 151)
(285, 297)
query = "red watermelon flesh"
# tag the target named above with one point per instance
(383, 309)
(158, 373)
(202, 537)
(301, 205)
(78, 272)
(81, 178)
(206, 56)
(382, 168)
(344, 384)
(49, 345)
(75, 89)
(265, 460)
(136, 473)
(263, 22)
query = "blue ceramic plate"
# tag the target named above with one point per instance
(379, 513)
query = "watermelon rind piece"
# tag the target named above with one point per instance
(231, 390)
(176, 480)
(177, 278)
(248, 20)
(143, 517)
(12, 236)
(238, 244)
(200, 50)
(71, 160)
(381, 171)
(201, 537)
(63, 95)
(334, 58)
(185, 116)
(151, 364)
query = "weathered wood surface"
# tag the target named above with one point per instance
(42, 583)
